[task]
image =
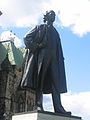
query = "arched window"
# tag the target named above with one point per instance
(12, 103)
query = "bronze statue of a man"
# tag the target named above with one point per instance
(44, 69)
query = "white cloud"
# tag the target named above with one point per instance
(9, 36)
(77, 103)
(74, 14)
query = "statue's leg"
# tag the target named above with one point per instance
(39, 100)
(58, 108)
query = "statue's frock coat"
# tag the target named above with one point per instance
(44, 62)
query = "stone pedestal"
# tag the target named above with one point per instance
(38, 115)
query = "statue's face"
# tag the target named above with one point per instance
(50, 16)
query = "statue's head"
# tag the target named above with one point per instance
(49, 17)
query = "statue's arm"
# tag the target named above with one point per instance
(29, 39)
(43, 36)
(36, 38)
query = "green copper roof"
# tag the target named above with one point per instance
(15, 55)
(3, 53)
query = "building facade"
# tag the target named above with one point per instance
(12, 99)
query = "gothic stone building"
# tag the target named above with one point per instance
(13, 100)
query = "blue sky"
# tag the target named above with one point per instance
(73, 25)
(76, 52)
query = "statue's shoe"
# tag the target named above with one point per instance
(64, 113)
(61, 110)
(40, 108)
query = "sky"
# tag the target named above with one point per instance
(73, 24)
